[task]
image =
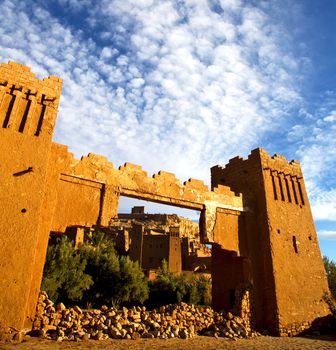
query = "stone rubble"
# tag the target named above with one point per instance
(172, 321)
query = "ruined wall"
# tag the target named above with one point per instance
(175, 256)
(228, 271)
(128, 180)
(280, 239)
(28, 108)
(263, 231)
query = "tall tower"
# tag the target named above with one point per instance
(279, 239)
(28, 109)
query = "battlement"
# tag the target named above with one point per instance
(256, 214)
(28, 105)
(257, 156)
(132, 180)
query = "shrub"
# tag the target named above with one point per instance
(64, 278)
(330, 267)
(116, 280)
(169, 288)
(92, 275)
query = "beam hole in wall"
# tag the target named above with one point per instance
(278, 231)
(23, 210)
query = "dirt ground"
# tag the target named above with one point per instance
(197, 343)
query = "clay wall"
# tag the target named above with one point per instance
(175, 256)
(257, 213)
(155, 249)
(28, 105)
(128, 180)
(293, 239)
(234, 269)
(244, 175)
(28, 110)
(280, 239)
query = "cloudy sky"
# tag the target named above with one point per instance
(184, 85)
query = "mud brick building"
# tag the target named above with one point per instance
(256, 215)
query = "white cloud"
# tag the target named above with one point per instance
(166, 84)
(315, 139)
(330, 118)
(327, 235)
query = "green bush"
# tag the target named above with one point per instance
(64, 278)
(116, 280)
(92, 275)
(203, 291)
(330, 267)
(95, 274)
(169, 288)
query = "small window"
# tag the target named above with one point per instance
(295, 245)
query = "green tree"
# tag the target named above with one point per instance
(103, 267)
(169, 288)
(64, 278)
(133, 284)
(330, 267)
(116, 280)
(203, 287)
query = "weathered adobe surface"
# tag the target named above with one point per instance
(45, 189)
(257, 214)
(108, 183)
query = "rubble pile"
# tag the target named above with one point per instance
(172, 321)
(244, 305)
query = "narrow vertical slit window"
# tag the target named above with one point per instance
(300, 192)
(274, 187)
(281, 189)
(294, 192)
(10, 108)
(40, 121)
(25, 116)
(288, 190)
(295, 245)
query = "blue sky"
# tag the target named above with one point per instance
(185, 85)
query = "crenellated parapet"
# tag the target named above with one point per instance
(257, 213)
(259, 156)
(132, 181)
(285, 176)
(28, 105)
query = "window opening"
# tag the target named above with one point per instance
(274, 187)
(295, 245)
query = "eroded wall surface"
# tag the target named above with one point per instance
(43, 188)
(257, 213)
(28, 108)
(279, 238)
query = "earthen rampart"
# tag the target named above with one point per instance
(256, 215)
(280, 238)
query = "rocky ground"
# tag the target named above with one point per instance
(195, 343)
(169, 327)
(56, 322)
